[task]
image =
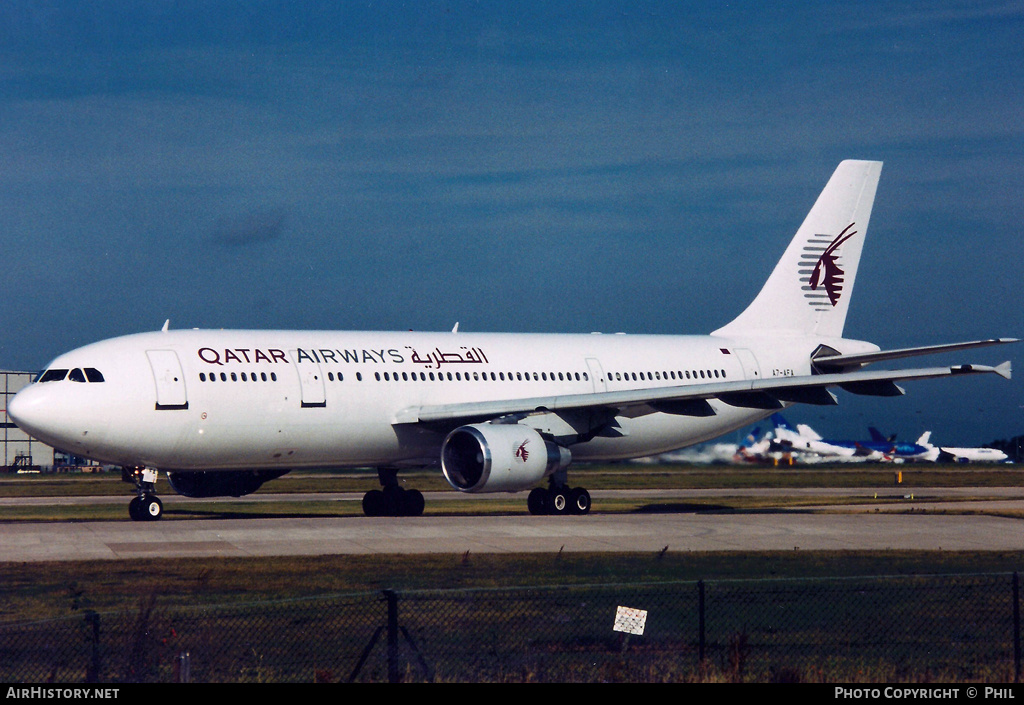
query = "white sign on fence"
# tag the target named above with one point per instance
(629, 620)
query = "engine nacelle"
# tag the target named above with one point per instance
(499, 458)
(228, 483)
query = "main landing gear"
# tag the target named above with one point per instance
(392, 500)
(146, 506)
(558, 498)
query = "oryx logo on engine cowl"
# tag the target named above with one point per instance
(521, 451)
(824, 281)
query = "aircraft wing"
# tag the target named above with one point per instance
(826, 362)
(692, 400)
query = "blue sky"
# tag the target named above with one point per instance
(524, 166)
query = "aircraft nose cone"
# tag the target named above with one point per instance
(63, 416)
(43, 413)
(28, 410)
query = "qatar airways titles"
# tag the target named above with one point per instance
(433, 359)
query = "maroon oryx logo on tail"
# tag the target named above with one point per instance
(521, 451)
(826, 273)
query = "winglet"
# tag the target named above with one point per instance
(1004, 370)
(167, 325)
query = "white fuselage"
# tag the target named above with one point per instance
(976, 455)
(224, 400)
(497, 411)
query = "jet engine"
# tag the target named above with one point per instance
(227, 483)
(499, 458)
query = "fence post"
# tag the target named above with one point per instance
(1016, 627)
(700, 621)
(392, 598)
(183, 667)
(92, 673)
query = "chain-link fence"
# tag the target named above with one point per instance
(962, 627)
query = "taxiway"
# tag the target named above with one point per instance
(931, 519)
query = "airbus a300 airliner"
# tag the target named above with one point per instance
(222, 411)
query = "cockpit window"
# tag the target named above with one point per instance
(87, 374)
(54, 375)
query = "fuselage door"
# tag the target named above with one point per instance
(311, 380)
(597, 374)
(751, 370)
(170, 381)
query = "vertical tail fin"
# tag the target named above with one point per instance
(809, 290)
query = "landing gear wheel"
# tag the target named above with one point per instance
(374, 504)
(557, 500)
(414, 503)
(579, 501)
(393, 501)
(152, 508)
(148, 508)
(537, 501)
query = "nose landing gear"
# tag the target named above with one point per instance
(146, 506)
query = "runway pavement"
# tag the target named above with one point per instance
(914, 523)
